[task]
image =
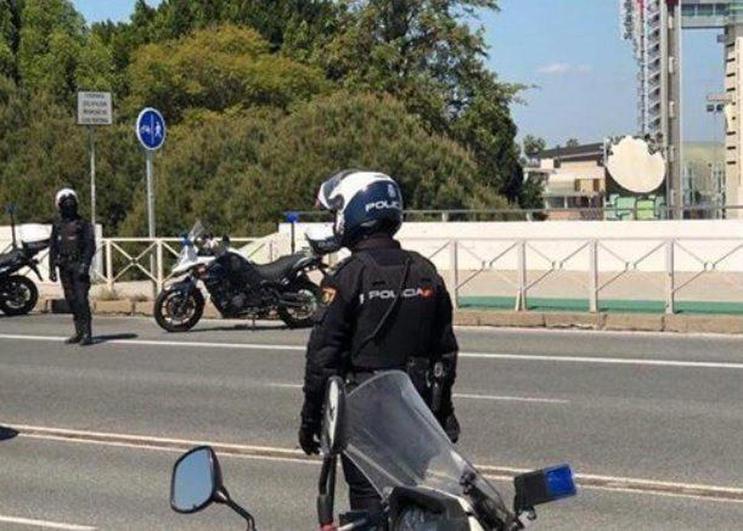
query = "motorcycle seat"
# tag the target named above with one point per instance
(275, 271)
(35, 247)
(9, 258)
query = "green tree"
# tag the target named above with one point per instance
(425, 53)
(10, 27)
(52, 34)
(572, 142)
(204, 163)
(531, 193)
(256, 164)
(217, 69)
(533, 146)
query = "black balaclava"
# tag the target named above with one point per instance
(68, 208)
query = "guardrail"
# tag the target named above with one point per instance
(600, 263)
(149, 258)
(518, 265)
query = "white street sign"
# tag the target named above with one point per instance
(94, 108)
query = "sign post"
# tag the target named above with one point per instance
(293, 218)
(151, 134)
(93, 109)
(150, 129)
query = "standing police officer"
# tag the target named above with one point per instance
(384, 308)
(71, 250)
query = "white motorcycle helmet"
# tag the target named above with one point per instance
(364, 203)
(64, 193)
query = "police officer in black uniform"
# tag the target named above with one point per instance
(71, 251)
(383, 308)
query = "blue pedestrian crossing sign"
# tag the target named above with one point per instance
(151, 129)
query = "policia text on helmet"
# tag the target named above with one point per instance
(71, 252)
(383, 308)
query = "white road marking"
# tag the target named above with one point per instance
(468, 396)
(511, 398)
(44, 524)
(466, 355)
(164, 343)
(279, 454)
(605, 361)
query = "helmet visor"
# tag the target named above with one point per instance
(326, 190)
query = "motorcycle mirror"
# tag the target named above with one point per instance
(196, 481)
(543, 486)
(333, 434)
(225, 239)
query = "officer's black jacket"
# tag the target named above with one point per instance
(72, 243)
(356, 297)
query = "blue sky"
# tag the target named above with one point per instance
(572, 52)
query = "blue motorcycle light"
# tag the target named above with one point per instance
(543, 486)
(560, 482)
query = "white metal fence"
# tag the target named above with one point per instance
(515, 265)
(522, 265)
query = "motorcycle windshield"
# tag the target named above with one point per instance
(395, 440)
(197, 231)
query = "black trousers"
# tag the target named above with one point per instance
(76, 288)
(361, 493)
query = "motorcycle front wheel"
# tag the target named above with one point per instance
(18, 295)
(178, 311)
(301, 313)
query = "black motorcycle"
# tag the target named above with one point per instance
(18, 293)
(237, 287)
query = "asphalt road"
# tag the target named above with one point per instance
(651, 423)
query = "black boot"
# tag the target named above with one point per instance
(87, 336)
(78, 335)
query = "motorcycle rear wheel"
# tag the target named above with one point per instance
(18, 295)
(301, 317)
(174, 314)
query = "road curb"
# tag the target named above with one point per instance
(615, 322)
(679, 323)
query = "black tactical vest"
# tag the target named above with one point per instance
(396, 312)
(70, 241)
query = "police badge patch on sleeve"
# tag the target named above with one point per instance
(328, 295)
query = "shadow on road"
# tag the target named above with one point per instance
(113, 337)
(246, 327)
(7, 433)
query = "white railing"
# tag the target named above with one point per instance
(151, 258)
(518, 266)
(524, 264)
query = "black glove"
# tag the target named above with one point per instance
(53, 274)
(451, 427)
(309, 438)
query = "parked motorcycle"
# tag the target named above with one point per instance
(238, 287)
(425, 483)
(18, 293)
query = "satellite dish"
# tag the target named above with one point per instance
(634, 167)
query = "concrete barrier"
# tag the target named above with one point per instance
(501, 319)
(647, 322)
(118, 307)
(593, 321)
(143, 308)
(635, 322)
